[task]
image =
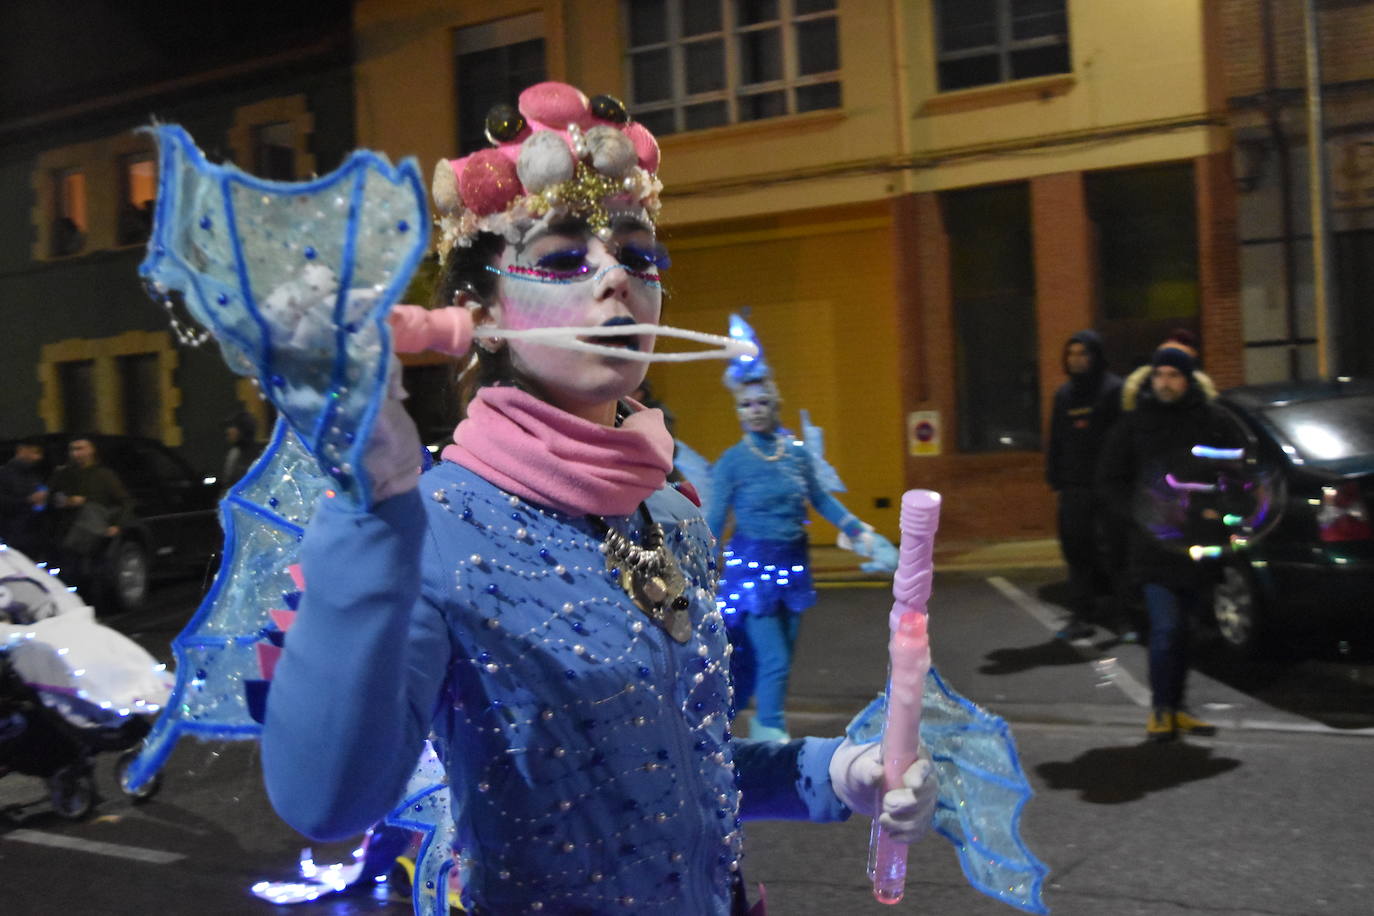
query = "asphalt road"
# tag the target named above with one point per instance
(1268, 817)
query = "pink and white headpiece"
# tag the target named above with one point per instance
(560, 154)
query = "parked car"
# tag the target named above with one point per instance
(175, 530)
(1313, 570)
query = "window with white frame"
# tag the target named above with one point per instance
(980, 42)
(694, 64)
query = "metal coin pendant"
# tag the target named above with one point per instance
(651, 578)
(657, 588)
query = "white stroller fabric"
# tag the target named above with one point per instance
(56, 645)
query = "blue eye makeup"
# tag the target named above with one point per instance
(569, 265)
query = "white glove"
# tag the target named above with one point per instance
(861, 543)
(392, 456)
(856, 774)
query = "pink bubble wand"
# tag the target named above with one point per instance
(909, 661)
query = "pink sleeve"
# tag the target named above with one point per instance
(444, 330)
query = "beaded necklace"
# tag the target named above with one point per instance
(649, 574)
(778, 452)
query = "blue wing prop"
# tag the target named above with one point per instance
(244, 253)
(813, 440)
(982, 791)
(294, 280)
(263, 516)
(426, 810)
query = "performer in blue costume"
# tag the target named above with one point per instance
(539, 607)
(540, 602)
(766, 481)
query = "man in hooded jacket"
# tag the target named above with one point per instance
(1147, 474)
(1085, 407)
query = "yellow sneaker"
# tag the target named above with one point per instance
(1190, 724)
(1161, 724)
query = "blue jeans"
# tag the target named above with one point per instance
(1169, 607)
(764, 663)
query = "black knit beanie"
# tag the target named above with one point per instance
(1176, 357)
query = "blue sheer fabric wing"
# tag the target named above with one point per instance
(982, 791)
(216, 654)
(294, 280)
(425, 809)
(813, 439)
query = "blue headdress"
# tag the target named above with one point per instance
(746, 370)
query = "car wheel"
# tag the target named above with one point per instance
(1238, 612)
(129, 575)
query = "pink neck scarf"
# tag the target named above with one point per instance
(548, 456)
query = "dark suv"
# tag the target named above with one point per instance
(175, 530)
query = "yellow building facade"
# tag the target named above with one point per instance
(832, 226)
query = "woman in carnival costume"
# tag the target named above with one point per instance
(540, 604)
(767, 481)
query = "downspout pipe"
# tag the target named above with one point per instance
(1328, 362)
(1273, 117)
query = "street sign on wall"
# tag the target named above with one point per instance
(923, 432)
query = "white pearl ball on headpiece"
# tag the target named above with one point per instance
(611, 151)
(545, 161)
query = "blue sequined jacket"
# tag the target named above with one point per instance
(589, 756)
(768, 498)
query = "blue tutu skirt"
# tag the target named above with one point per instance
(764, 577)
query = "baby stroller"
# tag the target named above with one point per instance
(70, 688)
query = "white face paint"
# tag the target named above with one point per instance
(569, 277)
(757, 408)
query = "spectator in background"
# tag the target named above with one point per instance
(22, 497)
(93, 506)
(1144, 474)
(1085, 407)
(240, 432)
(1138, 380)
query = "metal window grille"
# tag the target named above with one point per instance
(980, 42)
(694, 64)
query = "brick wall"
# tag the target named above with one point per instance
(987, 496)
(1347, 36)
(1063, 273)
(1223, 336)
(1002, 495)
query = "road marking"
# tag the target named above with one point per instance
(137, 853)
(1107, 667)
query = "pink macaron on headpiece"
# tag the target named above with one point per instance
(559, 154)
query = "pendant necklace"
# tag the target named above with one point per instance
(649, 574)
(778, 452)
